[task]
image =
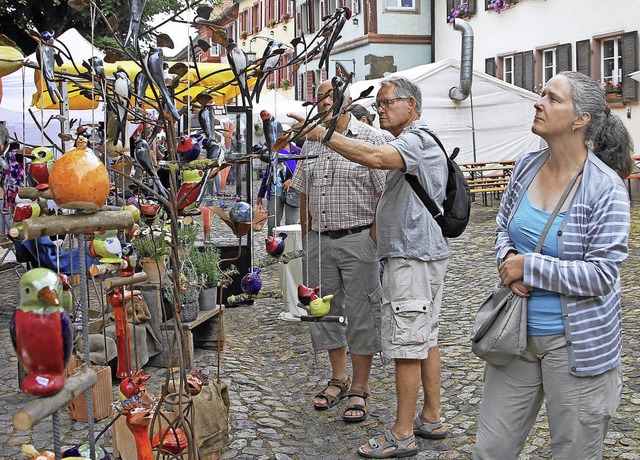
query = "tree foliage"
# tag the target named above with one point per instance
(57, 15)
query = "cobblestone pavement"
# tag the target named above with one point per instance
(273, 374)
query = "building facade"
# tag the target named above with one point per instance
(527, 42)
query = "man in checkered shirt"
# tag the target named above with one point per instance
(337, 214)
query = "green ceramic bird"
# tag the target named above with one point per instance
(320, 307)
(41, 332)
(106, 247)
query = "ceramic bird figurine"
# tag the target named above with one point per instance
(136, 8)
(122, 95)
(140, 84)
(189, 190)
(28, 210)
(137, 418)
(320, 307)
(275, 244)
(67, 295)
(342, 15)
(238, 62)
(135, 385)
(117, 298)
(84, 451)
(130, 260)
(251, 282)
(95, 66)
(41, 332)
(45, 56)
(149, 211)
(154, 67)
(29, 451)
(41, 164)
(340, 102)
(142, 155)
(195, 381)
(270, 59)
(306, 294)
(169, 441)
(188, 148)
(106, 247)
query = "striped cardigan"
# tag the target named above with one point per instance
(592, 243)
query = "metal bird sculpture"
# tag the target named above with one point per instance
(140, 84)
(45, 56)
(238, 62)
(142, 155)
(341, 16)
(340, 102)
(136, 8)
(154, 64)
(95, 67)
(270, 59)
(207, 120)
(122, 94)
(41, 332)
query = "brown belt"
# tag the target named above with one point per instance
(335, 234)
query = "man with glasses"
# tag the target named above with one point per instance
(416, 255)
(337, 211)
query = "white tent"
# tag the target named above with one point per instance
(19, 87)
(278, 106)
(502, 113)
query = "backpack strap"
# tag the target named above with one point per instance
(419, 189)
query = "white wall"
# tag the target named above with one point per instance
(531, 24)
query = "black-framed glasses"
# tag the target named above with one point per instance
(385, 103)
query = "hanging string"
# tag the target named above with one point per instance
(24, 128)
(42, 59)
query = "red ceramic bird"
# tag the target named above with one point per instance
(306, 295)
(275, 244)
(188, 148)
(196, 381)
(25, 211)
(117, 298)
(189, 190)
(169, 441)
(41, 165)
(41, 332)
(135, 385)
(138, 418)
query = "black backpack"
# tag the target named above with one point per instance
(457, 203)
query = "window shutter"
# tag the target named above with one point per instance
(300, 88)
(527, 70)
(309, 86)
(629, 64)
(450, 6)
(472, 7)
(563, 57)
(323, 74)
(517, 69)
(490, 66)
(298, 20)
(583, 57)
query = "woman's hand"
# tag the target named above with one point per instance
(512, 269)
(520, 289)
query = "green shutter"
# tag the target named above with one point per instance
(629, 64)
(583, 57)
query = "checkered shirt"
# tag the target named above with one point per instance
(341, 194)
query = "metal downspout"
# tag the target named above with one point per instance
(461, 92)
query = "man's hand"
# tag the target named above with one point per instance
(315, 134)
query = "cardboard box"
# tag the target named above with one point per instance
(102, 394)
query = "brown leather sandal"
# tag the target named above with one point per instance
(331, 399)
(359, 407)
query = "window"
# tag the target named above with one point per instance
(611, 62)
(507, 69)
(400, 4)
(548, 65)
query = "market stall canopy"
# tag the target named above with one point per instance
(213, 78)
(635, 75)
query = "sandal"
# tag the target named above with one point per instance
(359, 407)
(427, 429)
(331, 399)
(400, 446)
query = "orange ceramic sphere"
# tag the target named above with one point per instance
(79, 180)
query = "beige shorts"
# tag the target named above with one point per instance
(411, 299)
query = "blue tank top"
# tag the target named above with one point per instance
(544, 308)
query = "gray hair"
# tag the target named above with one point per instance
(405, 88)
(606, 134)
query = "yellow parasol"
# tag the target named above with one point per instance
(214, 78)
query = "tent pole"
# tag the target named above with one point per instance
(473, 128)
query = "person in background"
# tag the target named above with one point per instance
(337, 215)
(362, 114)
(416, 255)
(280, 199)
(573, 286)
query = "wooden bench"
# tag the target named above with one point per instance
(487, 178)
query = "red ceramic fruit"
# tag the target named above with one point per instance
(79, 180)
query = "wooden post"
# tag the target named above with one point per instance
(118, 281)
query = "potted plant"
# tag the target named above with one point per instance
(460, 11)
(190, 288)
(205, 261)
(612, 92)
(285, 18)
(499, 5)
(153, 249)
(284, 84)
(243, 34)
(272, 23)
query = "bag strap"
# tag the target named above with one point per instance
(555, 212)
(417, 186)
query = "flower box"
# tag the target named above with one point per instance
(614, 99)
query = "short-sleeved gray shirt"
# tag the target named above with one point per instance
(404, 226)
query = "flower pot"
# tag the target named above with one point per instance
(189, 312)
(208, 298)
(155, 268)
(614, 99)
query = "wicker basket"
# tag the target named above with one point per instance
(190, 297)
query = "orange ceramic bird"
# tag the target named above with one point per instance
(169, 441)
